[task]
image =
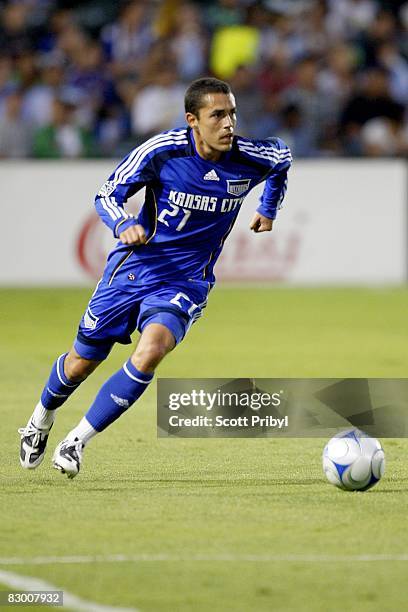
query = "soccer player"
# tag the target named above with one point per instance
(158, 276)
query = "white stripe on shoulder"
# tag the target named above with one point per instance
(274, 157)
(172, 133)
(131, 156)
(142, 154)
(262, 150)
(259, 146)
(268, 157)
(176, 135)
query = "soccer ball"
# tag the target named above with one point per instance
(353, 461)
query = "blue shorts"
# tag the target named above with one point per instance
(113, 315)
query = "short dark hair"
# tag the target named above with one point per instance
(193, 100)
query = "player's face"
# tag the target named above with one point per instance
(216, 122)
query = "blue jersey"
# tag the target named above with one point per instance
(190, 205)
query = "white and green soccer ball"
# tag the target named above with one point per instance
(353, 461)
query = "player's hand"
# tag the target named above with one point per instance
(260, 223)
(134, 234)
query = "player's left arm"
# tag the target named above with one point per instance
(260, 223)
(275, 186)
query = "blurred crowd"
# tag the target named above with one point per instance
(95, 78)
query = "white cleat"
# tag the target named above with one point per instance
(67, 457)
(33, 445)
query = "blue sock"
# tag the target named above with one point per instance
(58, 387)
(117, 395)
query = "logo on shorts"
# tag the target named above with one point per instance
(120, 401)
(238, 187)
(107, 188)
(90, 321)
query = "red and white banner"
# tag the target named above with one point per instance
(343, 222)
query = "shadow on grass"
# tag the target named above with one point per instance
(382, 491)
(202, 483)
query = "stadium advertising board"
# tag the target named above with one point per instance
(332, 230)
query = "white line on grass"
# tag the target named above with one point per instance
(312, 558)
(27, 583)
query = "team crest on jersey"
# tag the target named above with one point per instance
(238, 187)
(107, 188)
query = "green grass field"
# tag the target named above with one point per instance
(212, 525)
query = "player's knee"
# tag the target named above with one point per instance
(148, 356)
(76, 368)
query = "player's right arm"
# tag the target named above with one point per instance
(141, 168)
(135, 234)
(132, 174)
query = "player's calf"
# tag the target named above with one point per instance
(118, 393)
(67, 373)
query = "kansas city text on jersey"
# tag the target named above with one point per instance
(184, 241)
(203, 202)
